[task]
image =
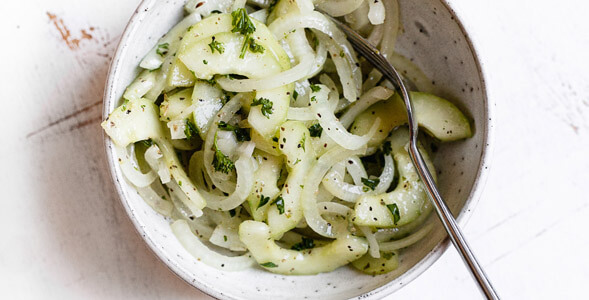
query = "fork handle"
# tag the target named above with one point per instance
(388, 71)
(450, 225)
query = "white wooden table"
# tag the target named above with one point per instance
(64, 234)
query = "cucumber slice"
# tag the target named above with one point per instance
(376, 266)
(266, 177)
(438, 117)
(207, 100)
(175, 105)
(195, 50)
(199, 57)
(179, 75)
(140, 86)
(256, 236)
(295, 143)
(133, 121)
(409, 195)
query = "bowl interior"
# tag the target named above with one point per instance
(435, 40)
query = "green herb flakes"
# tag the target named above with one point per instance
(279, 201)
(369, 184)
(315, 130)
(394, 209)
(266, 104)
(241, 134)
(302, 142)
(214, 45)
(147, 143)
(162, 49)
(221, 162)
(269, 265)
(251, 44)
(244, 25)
(305, 243)
(190, 130)
(263, 201)
(315, 88)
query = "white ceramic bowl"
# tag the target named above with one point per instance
(435, 39)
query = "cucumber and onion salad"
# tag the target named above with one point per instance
(256, 129)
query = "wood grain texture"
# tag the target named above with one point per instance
(66, 236)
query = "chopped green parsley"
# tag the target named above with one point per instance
(369, 184)
(162, 49)
(241, 134)
(279, 201)
(221, 162)
(269, 265)
(266, 106)
(305, 243)
(315, 88)
(394, 209)
(214, 45)
(315, 130)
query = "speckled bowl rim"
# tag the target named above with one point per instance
(484, 167)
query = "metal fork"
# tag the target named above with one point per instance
(389, 72)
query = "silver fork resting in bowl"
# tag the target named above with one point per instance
(372, 55)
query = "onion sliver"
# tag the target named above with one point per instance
(187, 207)
(372, 96)
(317, 172)
(356, 169)
(333, 128)
(373, 247)
(376, 13)
(392, 24)
(131, 171)
(387, 175)
(376, 35)
(245, 169)
(338, 8)
(155, 201)
(306, 113)
(200, 251)
(153, 156)
(335, 184)
(407, 241)
(219, 179)
(301, 50)
(333, 208)
(320, 58)
(333, 38)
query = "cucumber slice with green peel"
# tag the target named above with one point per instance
(195, 50)
(206, 61)
(266, 177)
(343, 250)
(405, 203)
(437, 116)
(144, 82)
(132, 122)
(175, 105)
(295, 143)
(377, 266)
